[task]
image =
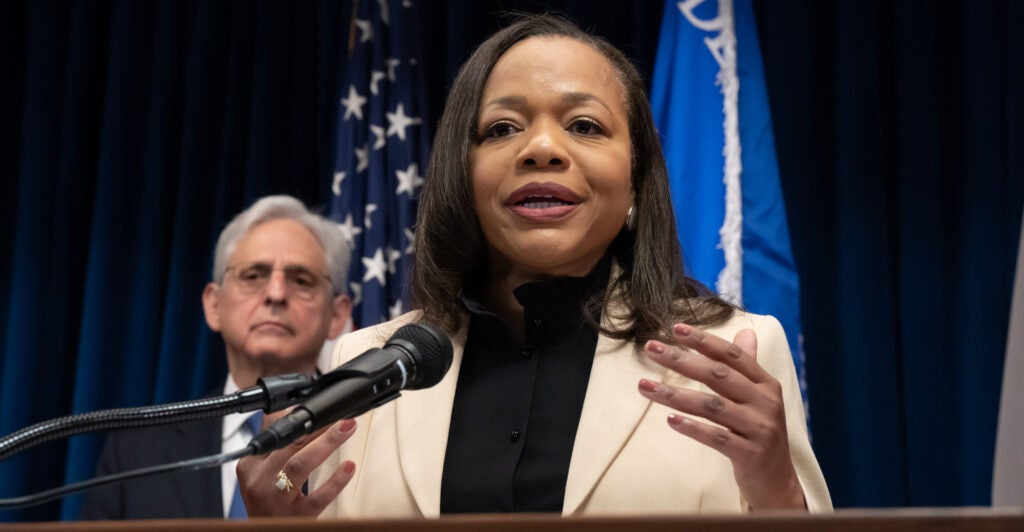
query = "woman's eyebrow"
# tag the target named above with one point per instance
(508, 101)
(569, 97)
(581, 97)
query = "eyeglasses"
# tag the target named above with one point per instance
(300, 281)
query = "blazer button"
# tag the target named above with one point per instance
(514, 436)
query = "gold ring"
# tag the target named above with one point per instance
(283, 482)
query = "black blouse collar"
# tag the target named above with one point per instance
(551, 293)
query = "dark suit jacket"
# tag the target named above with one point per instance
(163, 496)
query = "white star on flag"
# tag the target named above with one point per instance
(408, 180)
(336, 185)
(349, 230)
(398, 121)
(378, 132)
(376, 267)
(357, 293)
(367, 222)
(396, 309)
(362, 158)
(384, 12)
(375, 78)
(392, 64)
(393, 256)
(367, 30)
(353, 103)
(410, 236)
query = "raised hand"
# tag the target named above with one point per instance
(746, 408)
(271, 484)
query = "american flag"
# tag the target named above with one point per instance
(383, 143)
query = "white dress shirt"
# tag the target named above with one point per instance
(235, 434)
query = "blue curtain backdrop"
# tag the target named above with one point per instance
(900, 136)
(130, 132)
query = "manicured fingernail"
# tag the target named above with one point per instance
(347, 425)
(348, 467)
(656, 347)
(648, 386)
(682, 330)
(679, 421)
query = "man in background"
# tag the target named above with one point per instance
(277, 294)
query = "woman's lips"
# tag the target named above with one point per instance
(546, 213)
(542, 201)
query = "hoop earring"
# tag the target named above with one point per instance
(631, 218)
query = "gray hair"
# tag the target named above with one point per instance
(336, 249)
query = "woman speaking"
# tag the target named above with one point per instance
(591, 376)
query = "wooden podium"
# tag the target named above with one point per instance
(906, 519)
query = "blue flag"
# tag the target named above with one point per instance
(382, 150)
(711, 107)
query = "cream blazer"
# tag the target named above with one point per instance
(626, 459)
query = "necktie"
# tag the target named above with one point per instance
(237, 510)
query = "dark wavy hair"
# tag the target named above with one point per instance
(651, 285)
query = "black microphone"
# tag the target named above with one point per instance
(416, 356)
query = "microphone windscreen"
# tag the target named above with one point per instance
(433, 356)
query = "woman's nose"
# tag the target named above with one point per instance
(544, 147)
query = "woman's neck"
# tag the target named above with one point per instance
(502, 280)
(500, 299)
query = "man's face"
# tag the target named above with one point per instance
(275, 307)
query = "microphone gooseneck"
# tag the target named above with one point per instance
(271, 395)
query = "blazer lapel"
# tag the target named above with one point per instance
(423, 419)
(611, 411)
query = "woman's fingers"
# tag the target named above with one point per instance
(329, 490)
(732, 445)
(715, 408)
(259, 477)
(741, 355)
(720, 376)
(746, 340)
(309, 456)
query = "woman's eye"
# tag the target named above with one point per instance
(585, 127)
(501, 129)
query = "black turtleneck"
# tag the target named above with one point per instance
(518, 404)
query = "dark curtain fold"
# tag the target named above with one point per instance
(130, 132)
(899, 131)
(143, 127)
